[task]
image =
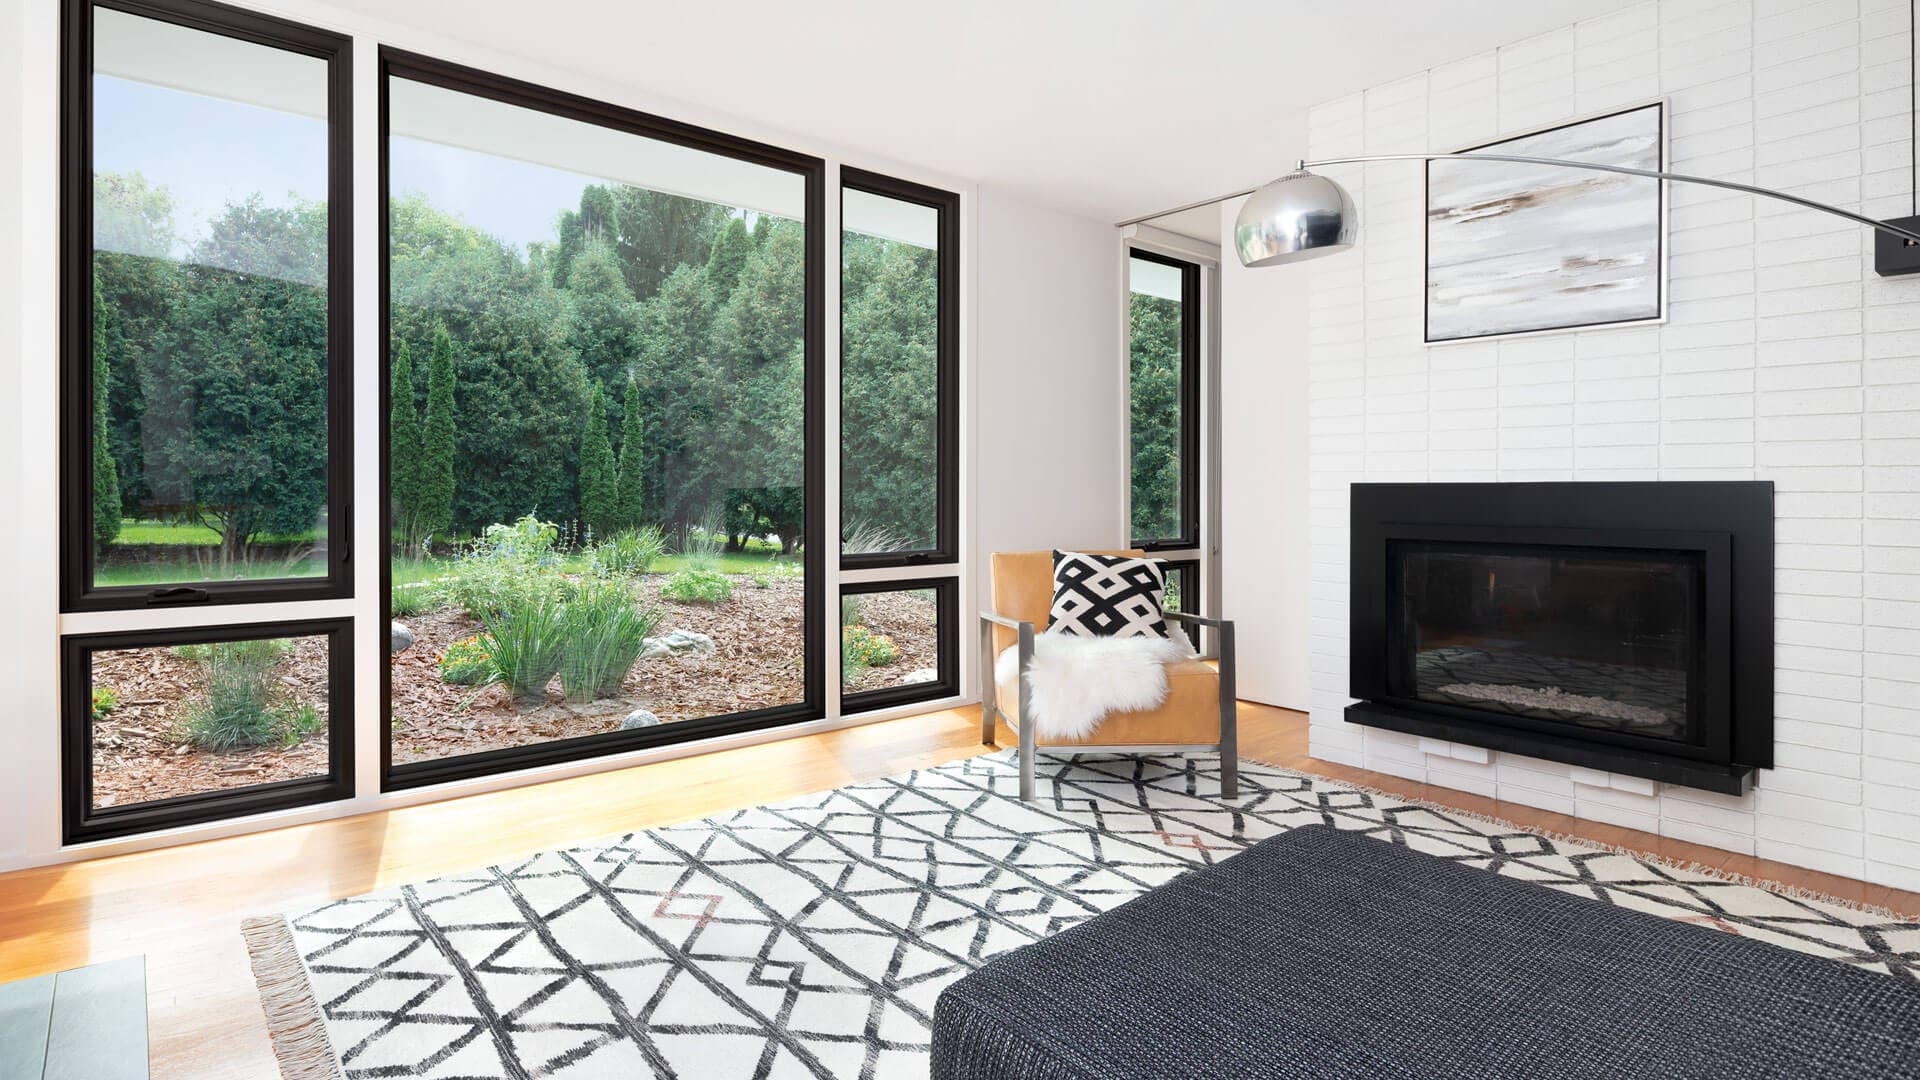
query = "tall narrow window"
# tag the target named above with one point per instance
(602, 438)
(899, 372)
(204, 439)
(205, 294)
(1163, 346)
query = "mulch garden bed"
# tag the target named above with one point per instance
(139, 753)
(757, 661)
(912, 621)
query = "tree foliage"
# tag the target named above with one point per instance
(629, 506)
(1153, 335)
(672, 320)
(889, 342)
(106, 478)
(403, 448)
(599, 485)
(234, 427)
(439, 445)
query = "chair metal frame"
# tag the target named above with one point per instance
(1228, 747)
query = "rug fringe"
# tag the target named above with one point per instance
(1688, 866)
(294, 1020)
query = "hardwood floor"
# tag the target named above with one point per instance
(182, 906)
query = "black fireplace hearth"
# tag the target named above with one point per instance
(1619, 626)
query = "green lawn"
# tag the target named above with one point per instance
(187, 532)
(187, 572)
(406, 571)
(176, 571)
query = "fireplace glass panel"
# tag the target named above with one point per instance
(1596, 638)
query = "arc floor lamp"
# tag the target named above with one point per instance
(1304, 215)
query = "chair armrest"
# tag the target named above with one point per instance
(1198, 620)
(1002, 620)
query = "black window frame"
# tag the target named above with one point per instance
(81, 822)
(415, 67)
(946, 549)
(946, 600)
(77, 590)
(1189, 406)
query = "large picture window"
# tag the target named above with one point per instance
(899, 372)
(205, 298)
(1163, 348)
(602, 437)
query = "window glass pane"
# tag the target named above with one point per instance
(889, 639)
(889, 375)
(210, 323)
(1183, 595)
(1157, 372)
(169, 721)
(598, 455)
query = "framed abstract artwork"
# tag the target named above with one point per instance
(1529, 249)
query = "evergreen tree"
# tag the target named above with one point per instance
(681, 400)
(598, 483)
(234, 424)
(106, 475)
(629, 500)
(437, 441)
(889, 373)
(603, 325)
(403, 457)
(729, 256)
(759, 338)
(521, 391)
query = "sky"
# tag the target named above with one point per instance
(208, 152)
(515, 201)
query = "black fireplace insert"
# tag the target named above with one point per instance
(1620, 626)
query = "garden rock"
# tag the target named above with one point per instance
(677, 643)
(922, 675)
(402, 638)
(638, 718)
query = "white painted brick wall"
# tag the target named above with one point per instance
(1784, 358)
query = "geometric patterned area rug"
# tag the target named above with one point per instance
(810, 938)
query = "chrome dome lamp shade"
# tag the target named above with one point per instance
(1300, 216)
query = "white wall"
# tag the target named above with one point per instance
(1785, 359)
(1048, 378)
(1264, 547)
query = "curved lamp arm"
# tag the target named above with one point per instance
(1653, 174)
(1907, 235)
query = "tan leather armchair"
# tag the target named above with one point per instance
(1198, 715)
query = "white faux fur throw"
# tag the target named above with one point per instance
(1078, 681)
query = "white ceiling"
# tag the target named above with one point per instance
(1109, 107)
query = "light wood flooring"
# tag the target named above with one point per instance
(182, 906)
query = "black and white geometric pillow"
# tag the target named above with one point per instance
(1108, 596)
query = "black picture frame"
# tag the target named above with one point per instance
(946, 593)
(1189, 406)
(77, 589)
(397, 63)
(1660, 233)
(82, 822)
(946, 549)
